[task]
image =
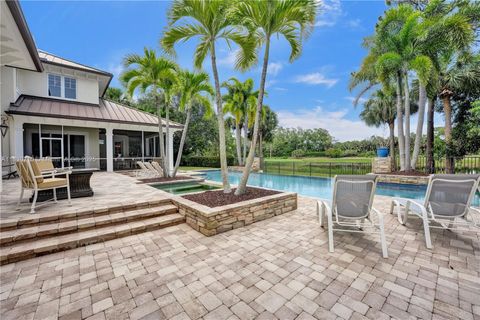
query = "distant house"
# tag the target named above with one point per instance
(54, 107)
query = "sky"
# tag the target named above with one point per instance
(310, 92)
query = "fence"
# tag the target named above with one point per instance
(468, 164)
(316, 169)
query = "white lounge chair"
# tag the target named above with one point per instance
(151, 169)
(31, 177)
(447, 202)
(157, 167)
(143, 170)
(350, 207)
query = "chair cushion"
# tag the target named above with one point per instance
(52, 183)
(45, 165)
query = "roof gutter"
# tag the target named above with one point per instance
(19, 18)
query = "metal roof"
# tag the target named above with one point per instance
(50, 58)
(105, 111)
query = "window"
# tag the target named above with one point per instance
(54, 85)
(70, 88)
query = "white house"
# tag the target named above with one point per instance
(54, 107)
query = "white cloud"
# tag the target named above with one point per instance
(229, 59)
(335, 122)
(115, 69)
(280, 89)
(330, 11)
(274, 68)
(354, 24)
(316, 78)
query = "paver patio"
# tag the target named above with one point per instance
(277, 268)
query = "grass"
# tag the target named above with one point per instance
(322, 160)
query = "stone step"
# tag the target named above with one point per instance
(31, 231)
(69, 215)
(25, 250)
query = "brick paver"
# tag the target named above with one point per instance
(277, 268)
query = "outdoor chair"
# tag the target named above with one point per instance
(143, 170)
(351, 209)
(447, 202)
(151, 169)
(31, 177)
(46, 166)
(157, 167)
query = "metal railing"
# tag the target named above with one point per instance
(316, 169)
(467, 164)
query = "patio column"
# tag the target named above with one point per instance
(16, 139)
(170, 151)
(109, 148)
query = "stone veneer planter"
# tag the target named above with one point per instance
(391, 178)
(212, 221)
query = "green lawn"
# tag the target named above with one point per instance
(322, 160)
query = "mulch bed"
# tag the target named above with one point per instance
(163, 179)
(217, 198)
(409, 173)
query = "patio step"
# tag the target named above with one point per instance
(43, 238)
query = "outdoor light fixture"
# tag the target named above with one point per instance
(4, 126)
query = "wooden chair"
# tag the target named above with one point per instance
(31, 177)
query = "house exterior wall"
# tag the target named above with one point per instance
(36, 84)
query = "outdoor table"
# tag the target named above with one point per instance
(79, 186)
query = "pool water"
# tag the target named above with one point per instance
(185, 188)
(319, 187)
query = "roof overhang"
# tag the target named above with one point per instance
(17, 47)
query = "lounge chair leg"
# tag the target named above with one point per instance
(20, 199)
(426, 228)
(35, 196)
(320, 213)
(383, 240)
(392, 207)
(330, 231)
(55, 195)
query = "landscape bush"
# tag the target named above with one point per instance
(207, 162)
(299, 153)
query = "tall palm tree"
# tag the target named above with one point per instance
(235, 108)
(193, 88)
(378, 110)
(292, 19)
(245, 99)
(150, 73)
(208, 21)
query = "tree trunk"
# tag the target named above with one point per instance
(160, 134)
(221, 124)
(245, 136)
(407, 121)
(447, 108)
(391, 126)
(242, 186)
(166, 173)
(430, 167)
(182, 141)
(422, 99)
(401, 136)
(260, 149)
(238, 141)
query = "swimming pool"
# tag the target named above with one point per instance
(319, 187)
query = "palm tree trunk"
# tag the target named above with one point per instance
(401, 136)
(166, 173)
(430, 168)
(407, 121)
(242, 186)
(182, 141)
(260, 149)
(221, 124)
(160, 135)
(238, 142)
(245, 136)
(447, 108)
(391, 126)
(422, 99)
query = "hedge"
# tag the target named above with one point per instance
(207, 162)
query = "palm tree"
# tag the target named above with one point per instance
(241, 98)
(208, 21)
(149, 73)
(378, 110)
(193, 88)
(233, 107)
(292, 19)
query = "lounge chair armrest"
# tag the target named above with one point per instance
(324, 202)
(476, 210)
(377, 213)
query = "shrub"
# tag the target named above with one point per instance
(208, 162)
(315, 154)
(299, 153)
(334, 153)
